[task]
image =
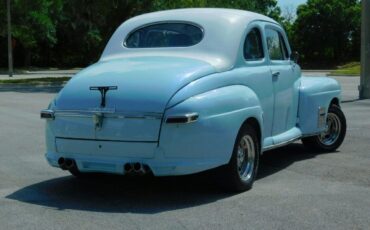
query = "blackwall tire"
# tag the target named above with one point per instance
(240, 173)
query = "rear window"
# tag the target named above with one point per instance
(165, 35)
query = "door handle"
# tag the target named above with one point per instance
(275, 75)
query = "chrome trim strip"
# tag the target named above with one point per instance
(103, 140)
(270, 147)
(321, 121)
(108, 113)
(182, 119)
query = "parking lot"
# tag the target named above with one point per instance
(295, 189)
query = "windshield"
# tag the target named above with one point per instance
(165, 35)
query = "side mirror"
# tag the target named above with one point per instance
(294, 56)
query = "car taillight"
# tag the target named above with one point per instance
(182, 119)
(47, 114)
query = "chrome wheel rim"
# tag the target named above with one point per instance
(245, 157)
(334, 127)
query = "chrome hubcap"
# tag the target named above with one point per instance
(245, 157)
(334, 127)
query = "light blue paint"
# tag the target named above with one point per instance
(315, 92)
(144, 83)
(223, 88)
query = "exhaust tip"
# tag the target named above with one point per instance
(146, 168)
(69, 163)
(137, 166)
(128, 167)
(61, 161)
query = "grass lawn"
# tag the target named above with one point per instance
(36, 81)
(351, 69)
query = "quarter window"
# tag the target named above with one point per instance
(253, 49)
(276, 45)
(165, 35)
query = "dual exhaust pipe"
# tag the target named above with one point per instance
(136, 168)
(129, 168)
(67, 163)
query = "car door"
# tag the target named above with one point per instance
(257, 75)
(285, 80)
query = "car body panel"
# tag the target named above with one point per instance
(136, 79)
(134, 108)
(220, 111)
(108, 148)
(315, 93)
(251, 77)
(219, 51)
(211, 79)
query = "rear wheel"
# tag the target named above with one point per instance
(333, 137)
(241, 171)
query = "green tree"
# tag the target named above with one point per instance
(3, 47)
(287, 19)
(85, 26)
(74, 33)
(84, 31)
(267, 7)
(327, 32)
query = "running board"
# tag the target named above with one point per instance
(285, 138)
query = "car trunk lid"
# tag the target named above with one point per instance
(140, 89)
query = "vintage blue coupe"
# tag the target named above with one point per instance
(182, 91)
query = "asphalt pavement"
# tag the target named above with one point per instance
(295, 189)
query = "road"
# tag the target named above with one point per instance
(40, 74)
(295, 189)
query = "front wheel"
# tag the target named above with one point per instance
(333, 137)
(241, 171)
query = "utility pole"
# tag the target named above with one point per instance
(10, 51)
(365, 51)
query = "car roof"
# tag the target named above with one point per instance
(203, 15)
(223, 31)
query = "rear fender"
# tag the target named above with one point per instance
(212, 136)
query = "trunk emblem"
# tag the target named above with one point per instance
(103, 91)
(99, 117)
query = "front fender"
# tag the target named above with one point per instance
(316, 93)
(221, 112)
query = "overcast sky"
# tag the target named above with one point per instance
(294, 3)
(290, 6)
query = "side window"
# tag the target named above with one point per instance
(253, 49)
(276, 45)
